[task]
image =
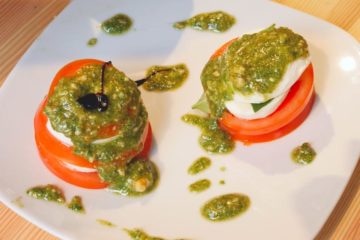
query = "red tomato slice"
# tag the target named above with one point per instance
(289, 115)
(248, 139)
(82, 179)
(70, 69)
(59, 157)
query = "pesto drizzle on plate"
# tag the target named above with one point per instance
(303, 154)
(200, 185)
(225, 207)
(138, 234)
(164, 78)
(217, 21)
(48, 193)
(92, 42)
(212, 138)
(199, 165)
(76, 205)
(117, 24)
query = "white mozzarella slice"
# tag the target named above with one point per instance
(67, 141)
(246, 111)
(79, 169)
(291, 75)
(59, 136)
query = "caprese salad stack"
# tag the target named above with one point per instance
(260, 86)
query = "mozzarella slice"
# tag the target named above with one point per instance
(291, 75)
(59, 136)
(245, 110)
(67, 141)
(79, 169)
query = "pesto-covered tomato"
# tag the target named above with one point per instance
(73, 140)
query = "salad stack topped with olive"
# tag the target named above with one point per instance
(92, 129)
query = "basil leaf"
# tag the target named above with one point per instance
(257, 106)
(202, 104)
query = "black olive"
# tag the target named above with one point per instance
(94, 101)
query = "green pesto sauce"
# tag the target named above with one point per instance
(199, 165)
(257, 62)
(126, 111)
(18, 202)
(117, 24)
(164, 78)
(48, 193)
(138, 234)
(217, 90)
(137, 178)
(225, 207)
(212, 138)
(105, 223)
(92, 42)
(218, 21)
(303, 154)
(76, 204)
(200, 185)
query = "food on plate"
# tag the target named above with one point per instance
(303, 154)
(117, 24)
(92, 42)
(200, 185)
(217, 21)
(92, 129)
(212, 139)
(164, 78)
(225, 207)
(260, 86)
(47, 192)
(105, 222)
(76, 205)
(199, 165)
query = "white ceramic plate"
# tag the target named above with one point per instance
(288, 201)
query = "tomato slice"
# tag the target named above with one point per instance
(289, 115)
(59, 158)
(82, 179)
(70, 69)
(248, 139)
